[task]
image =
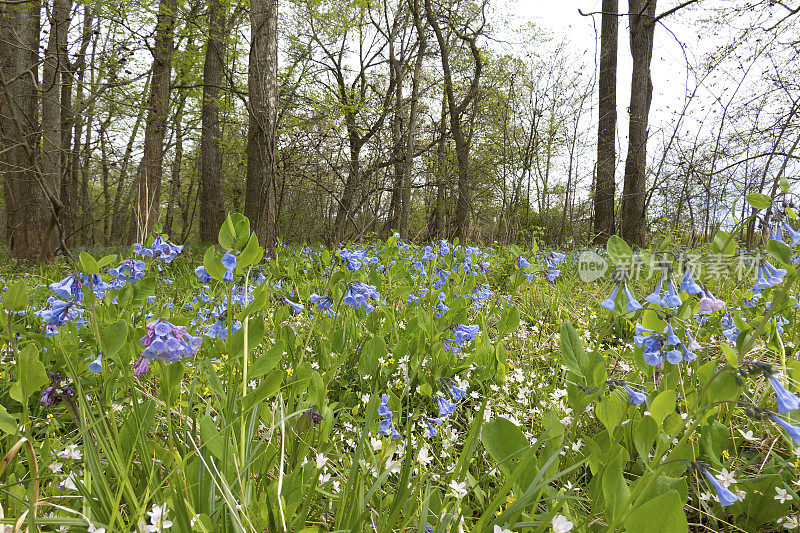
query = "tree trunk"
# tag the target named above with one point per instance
(212, 209)
(26, 200)
(604, 224)
(642, 27)
(148, 186)
(464, 203)
(262, 82)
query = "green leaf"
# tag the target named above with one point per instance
(663, 514)
(227, 234)
(316, 389)
(509, 322)
(644, 436)
(723, 388)
(572, 350)
(31, 374)
(615, 488)
(780, 251)
(114, 336)
(503, 439)
(255, 334)
(663, 405)
(368, 361)
(730, 355)
(106, 260)
(266, 389)
(759, 201)
(16, 297)
(88, 264)
(267, 361)
(611, 409)
(784, 184)
(719, 246)
(8, 424)
(212, 437)
(618, 250)
(212, 262)
(252, 253)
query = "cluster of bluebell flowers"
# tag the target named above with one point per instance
(387, 424)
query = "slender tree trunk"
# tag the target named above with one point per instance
(604, 224)
(405, 212)
(212, 209)
(262, 82)
(177, 166)
(642, 27)
(148, 186)
(456, 110)
(437, 215)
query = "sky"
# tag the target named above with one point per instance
(669, 65)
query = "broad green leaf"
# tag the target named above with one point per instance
(267, 361)
(31, 374)
(88, 264)
(252, 253)
(730, 355)
(265, 390)
(572, 350)
(106, 260)
(8, 424)
(509, 322)
(503, 439)
(255, 334)
(663, 514)
(611, 410)
(615, 488)
(16, 297)
(784, 184)
(780, 251)
(212, 262)
(114, 336)
(662, 405)
(719, 246)
(618, 250)
(368, 360)
(759, 201)
(645, 436)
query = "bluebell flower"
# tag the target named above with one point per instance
(54, 394)
(297, 307)
(168, 342)
(444, 248)
(557, 257)
(634, 397)
(522, 263)
(671, 299)
(359, 294)
(97, 365)
(688, 355)
(141, 366)
(610, 302)
(674, 356)
(688, 284)
(725, 496)
(655, 297)
(457, 393)
(229, 262)
(201, 273)
(793, 431)
(785, 400)
(794, 236)
(322, 302)
(446, 407)
(68, 288)
(633, 305)
(672, 339)
(160, 249)
(777, 234)
(128, 271)
(465, 334)
(60, 312)
(551, 273)
(387, 425)
(432, 423)
(709, 303)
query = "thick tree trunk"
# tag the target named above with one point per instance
(604, 224)
(262, 81)
(148, 186)
(642, 27)
(212, 209)
(177, 166)
(27, 209)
